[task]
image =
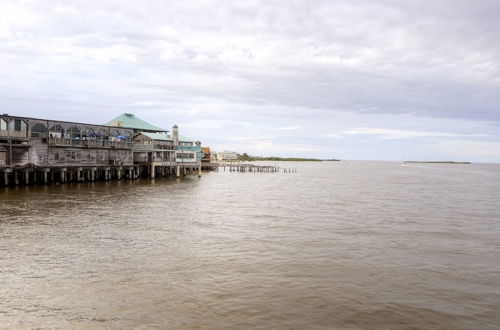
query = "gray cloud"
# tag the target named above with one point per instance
(242, 63)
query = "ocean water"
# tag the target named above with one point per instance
(337, 245)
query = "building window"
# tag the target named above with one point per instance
(3, 124)
(56, 156)
(37, 130)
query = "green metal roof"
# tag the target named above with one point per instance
(165, 137)
(185, 138)
(129, 120)
(158, 136)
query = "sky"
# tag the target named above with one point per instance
(353, 79)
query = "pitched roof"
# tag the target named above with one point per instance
(157, 136)
(129, 120)
(185, 138)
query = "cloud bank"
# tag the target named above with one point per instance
(288, 75)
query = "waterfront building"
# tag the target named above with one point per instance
(41, 150)
(159, 152)
(227, 156)
(51, 150)
(206, 155)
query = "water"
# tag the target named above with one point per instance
(361, 245)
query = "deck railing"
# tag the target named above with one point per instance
(143, 147)
(16, 134)
(189, 148)
(90, 143)
(150, 147)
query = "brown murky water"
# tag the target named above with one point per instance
(359, 245)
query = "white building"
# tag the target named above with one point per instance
(227, 155)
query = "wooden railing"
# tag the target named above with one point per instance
(17, 134)
(150, 147)
(90, 143)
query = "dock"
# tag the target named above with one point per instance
(253, 168)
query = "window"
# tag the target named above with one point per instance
(73, 155)
(57, 129)
(88, 133)
(3, 124)
(56, 156)
(74, 132)
(40, 128)
(185, 155)
(103, 134)
(37, 130)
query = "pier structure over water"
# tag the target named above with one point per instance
(158, 152)
(36, 150)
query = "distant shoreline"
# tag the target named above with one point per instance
(435, 162)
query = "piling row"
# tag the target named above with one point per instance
(257, 168)
(13, 176)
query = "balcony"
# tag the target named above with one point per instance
(189, 148)
(139, 147)
(143, 147)
(14, 134)
(90, 143)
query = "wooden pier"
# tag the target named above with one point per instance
(41, 151)
(252, 168)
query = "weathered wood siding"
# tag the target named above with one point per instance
(83, 144)
(39, 151)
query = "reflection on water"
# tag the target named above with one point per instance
(336, 245)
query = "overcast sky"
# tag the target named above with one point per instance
(351, 79)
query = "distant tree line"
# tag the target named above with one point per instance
(247, 157)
